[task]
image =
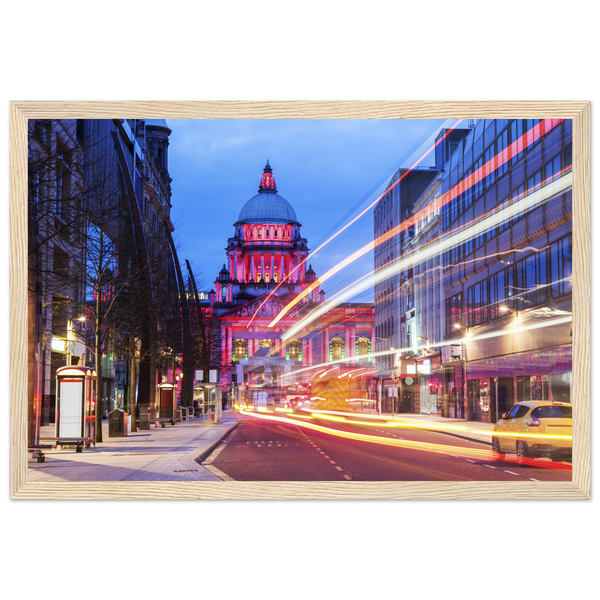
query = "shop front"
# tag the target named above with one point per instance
(495, 385)
(453, 392)
(429, 371)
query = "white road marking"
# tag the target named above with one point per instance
(469, 460)
(532, 479)
(218, 472)
(347, 476)
(490, 466)
(325, 456)
(511, 473)
(339, 468)
(332, 462)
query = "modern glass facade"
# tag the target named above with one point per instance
(506, 249)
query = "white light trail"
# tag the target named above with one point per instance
(525, 204)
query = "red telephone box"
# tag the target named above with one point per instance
(76, 402)
(167, 401)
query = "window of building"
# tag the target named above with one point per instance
(490, 169)
(502, 293)
(454, 314)
(502, 144)
(516, 133)
(533, 184)
(503, 207)
(478, 186)
(551, 171)
(337, 350)
(477, 304)
(363, 348)
(468, 194)
(529, 125)
(266, 343)
(293, 350)
(531, 281)
(517, 196)
(561, 267)
(240, 350)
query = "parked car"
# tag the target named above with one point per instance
(526, 420)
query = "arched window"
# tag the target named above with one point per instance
(337, 350)
(240, 350)
(266, 343)
(293, 350)
(363, 348)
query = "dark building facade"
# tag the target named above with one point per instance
(85, 251)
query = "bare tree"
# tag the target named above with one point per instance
(82, 251)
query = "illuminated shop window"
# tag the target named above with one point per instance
(266, 343)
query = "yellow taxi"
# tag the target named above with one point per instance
(535, 429)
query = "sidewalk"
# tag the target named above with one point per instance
(157, 454)
(171, 453)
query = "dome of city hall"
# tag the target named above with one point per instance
(267, 206)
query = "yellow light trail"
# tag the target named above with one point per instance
(529, 201)
(494, 163)
(486, 455)
(395, 183)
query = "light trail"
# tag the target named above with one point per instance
(469, 338)
(425, 154)
(529, 201)
(489, 167)
(478, 454)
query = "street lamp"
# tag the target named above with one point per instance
(69, 340)
(460, 327)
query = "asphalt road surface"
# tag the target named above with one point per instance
(263, 450)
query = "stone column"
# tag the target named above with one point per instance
(230, 344)
(352, 342)
(223, 345)
(262, 266)
(305, 352)
(325, 352)
(272, 276)
(310, 352)
(347, 343)
(235, 273)
(252, 277)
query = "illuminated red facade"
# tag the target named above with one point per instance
(266, 269)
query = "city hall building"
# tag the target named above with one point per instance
(266, 268)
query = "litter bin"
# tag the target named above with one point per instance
(144, 412)
(117, 423)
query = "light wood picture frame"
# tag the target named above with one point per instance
(578, 488)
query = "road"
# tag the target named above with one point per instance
(266, 450)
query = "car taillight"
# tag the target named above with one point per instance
(533, 423)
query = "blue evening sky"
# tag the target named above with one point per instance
(326, 169)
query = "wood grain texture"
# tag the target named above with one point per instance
(579, 488)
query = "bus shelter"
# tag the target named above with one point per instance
(167, 400)
(76, 402)
(208, 403)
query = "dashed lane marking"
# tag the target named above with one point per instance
(347, 476)
(511, 472)
(332, 462)
(469, 460)
(490, 466)
(532, 479)
(339, 468)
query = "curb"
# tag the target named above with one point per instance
(210, 448)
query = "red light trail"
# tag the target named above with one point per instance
(461, 451)
(515, 148)
(425, 154)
